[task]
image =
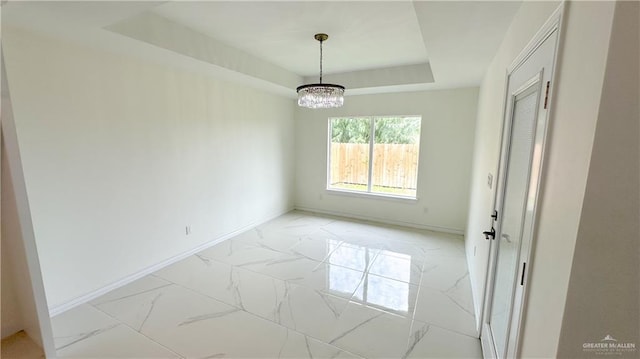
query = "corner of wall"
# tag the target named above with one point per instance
(575, 105)
(603, 298)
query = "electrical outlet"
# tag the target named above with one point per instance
(187, 230)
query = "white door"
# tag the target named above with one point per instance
(524, 129)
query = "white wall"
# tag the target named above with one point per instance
(120, 155)
(19, 305)
(448, 118)
(486, 152)
(604, 277)
(574, 108)
(11, 315)
(24, 306)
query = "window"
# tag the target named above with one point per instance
(374, 154)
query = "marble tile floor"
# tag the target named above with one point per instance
(299, 286)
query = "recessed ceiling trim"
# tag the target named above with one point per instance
(388, 76)
(266, 46)
(164, 33)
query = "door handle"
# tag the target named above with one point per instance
(491, 233)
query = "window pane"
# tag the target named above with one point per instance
(349, 160)
(395, 155)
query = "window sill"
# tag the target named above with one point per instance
(370, 195)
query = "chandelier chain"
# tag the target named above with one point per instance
(320, 61)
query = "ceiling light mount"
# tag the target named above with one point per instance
(320, 95)
(321, 37)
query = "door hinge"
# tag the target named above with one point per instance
(546, 95)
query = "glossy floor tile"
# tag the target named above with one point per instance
(299, 286)
(85, 332)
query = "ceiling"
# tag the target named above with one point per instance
(373, 46)
(362, 35)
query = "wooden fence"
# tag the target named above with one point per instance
(394, 165)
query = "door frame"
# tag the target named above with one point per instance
(553, 24)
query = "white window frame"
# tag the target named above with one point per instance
(369, 193)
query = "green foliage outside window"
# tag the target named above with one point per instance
(350, 130)
(399, 130)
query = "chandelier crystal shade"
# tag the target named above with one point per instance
(320, 95)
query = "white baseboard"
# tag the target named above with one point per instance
(61, 308)
(383, 220)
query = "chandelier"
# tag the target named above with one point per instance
(320, 95)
